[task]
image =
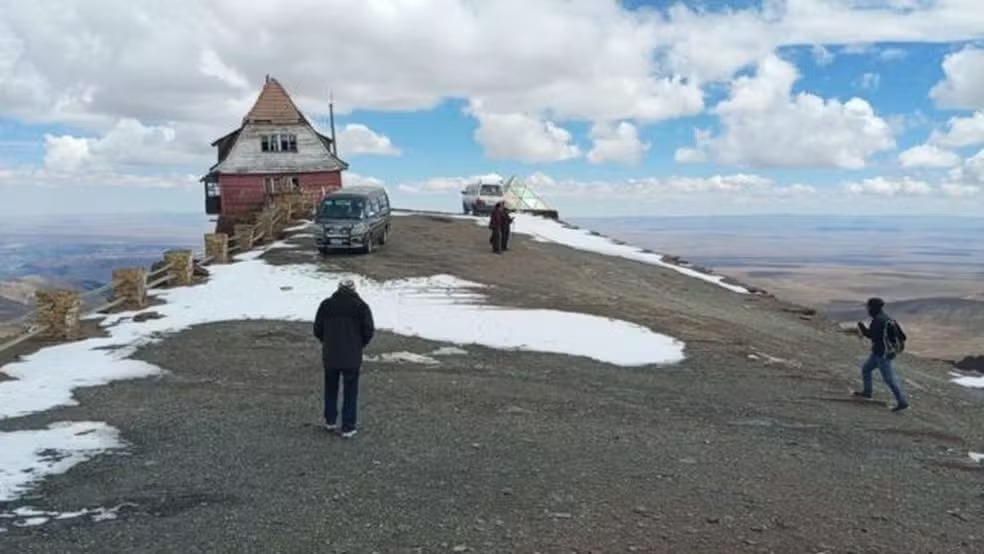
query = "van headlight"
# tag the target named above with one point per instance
(359, 228)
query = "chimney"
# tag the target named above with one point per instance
(268, 78)
(331, 119)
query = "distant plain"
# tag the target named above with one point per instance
(930, 269)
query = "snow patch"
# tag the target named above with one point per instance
(449, 351)
(967, 381)
(977, 457)
(403, 357)
(29, 517)
(549, 230)
(29, 456)
(304, 224)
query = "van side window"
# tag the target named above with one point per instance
(371, 206)
(384, 203)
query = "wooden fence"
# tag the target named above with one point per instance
(57, 314)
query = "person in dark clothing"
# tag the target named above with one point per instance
(344, 325)
(506, 224)
(495, 225)
(881, 353)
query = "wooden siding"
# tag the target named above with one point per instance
(244, 194)
(246, 156)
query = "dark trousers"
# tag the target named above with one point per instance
(505, 237)
(496, 239)
(350, 396)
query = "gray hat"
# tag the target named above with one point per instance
(346, 284)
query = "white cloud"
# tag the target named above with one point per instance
(581, 59)
(766, 126)
(882, 186)
(616, 143)
(960, 132)
(129, 143)
(522, 137)
(351, 179)
(870, 81)
(928, 156)
(959, 190)
(963, 82)
(971, 172)
(447, 184)
(355, 139)
(66, 153)
(822, 56)
(892, 54)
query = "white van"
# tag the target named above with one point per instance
(480, 198)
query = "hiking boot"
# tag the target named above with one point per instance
(900, 407)
(862, 394)
(349, 434)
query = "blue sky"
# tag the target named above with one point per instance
(609, 108)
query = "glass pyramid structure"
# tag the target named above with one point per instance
(520, 197)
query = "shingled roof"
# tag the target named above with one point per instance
(274, 106)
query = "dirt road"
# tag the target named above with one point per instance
(750, 445)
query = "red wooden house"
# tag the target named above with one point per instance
(274, 150)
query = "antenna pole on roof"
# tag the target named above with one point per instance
(331, 119)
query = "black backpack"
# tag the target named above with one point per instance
(894, 337)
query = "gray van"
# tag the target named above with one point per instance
(353, 218)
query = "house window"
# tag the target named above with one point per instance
(278, 143)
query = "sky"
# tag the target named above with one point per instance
(608, 108)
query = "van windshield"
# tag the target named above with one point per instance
(342, 208)
(491, 190)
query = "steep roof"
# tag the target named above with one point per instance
(274, 105)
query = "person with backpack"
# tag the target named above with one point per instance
(344, 325)
(887, 341)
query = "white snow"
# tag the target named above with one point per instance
(31, 522)
(441, 308)
(303, 225)
(968, 381)
(403, 357)
(29, 456)
(449, 351)
(26, 516)
(977, 457)
(544, 229)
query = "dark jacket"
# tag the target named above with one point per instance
(877, 333)
(344, 326)
(496, 218)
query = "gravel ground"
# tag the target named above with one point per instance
(505, 451)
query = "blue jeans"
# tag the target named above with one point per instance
(884, 366)
(350, 396)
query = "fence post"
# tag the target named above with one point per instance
(217, 247)
(182, 266)
(59, 311)
(244, 236)
(280, 222)
(265, 223)
(131, 283)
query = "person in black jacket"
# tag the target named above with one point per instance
(506, 223)
(881, 354)
(344, 325)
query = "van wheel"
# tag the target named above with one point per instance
(367, 249)
(464, 209)
(384, 237)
